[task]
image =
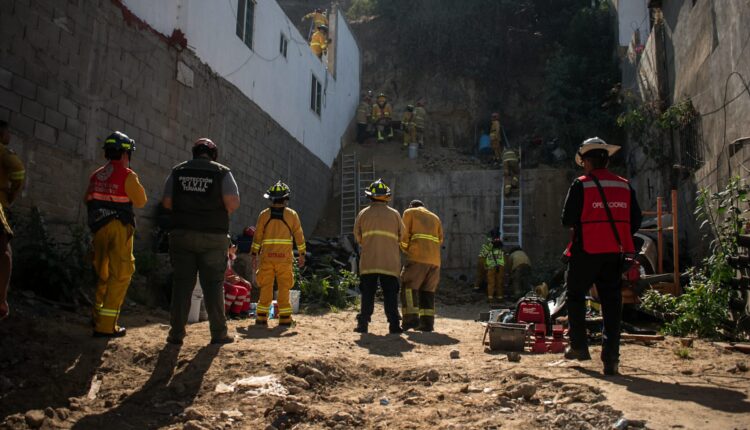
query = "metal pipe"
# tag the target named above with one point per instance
(675, 244)
(660, 239)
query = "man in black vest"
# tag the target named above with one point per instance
(201, 194)
(602, 234)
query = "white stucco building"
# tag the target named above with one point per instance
(632, 17)
(255, 46)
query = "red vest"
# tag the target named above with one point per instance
(596, 230)
(107, 184)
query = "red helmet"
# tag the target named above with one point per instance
(205, 145)
(249, 231)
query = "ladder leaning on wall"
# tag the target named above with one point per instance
(511, 209)
(355, 177)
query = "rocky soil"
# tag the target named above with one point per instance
(320, 374)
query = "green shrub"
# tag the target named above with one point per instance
(329, 291)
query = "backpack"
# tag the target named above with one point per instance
(533, 309)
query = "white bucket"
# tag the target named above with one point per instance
(294, 299)
(413, 150)
(195, 303)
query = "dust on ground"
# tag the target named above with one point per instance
(320, 374)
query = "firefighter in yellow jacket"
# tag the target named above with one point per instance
(277, 230)
(409, 126)
(319, 41)
(379, 230)
(421, 274)
(381, 117)
(496, 136)
(318, 17)
(12, 175)
(114, 190)
(511, 169)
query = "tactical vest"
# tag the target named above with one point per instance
(197, 197)
(106, 197)
(596, 230)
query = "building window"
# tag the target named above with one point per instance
(245, 14)
(316, 95)
(283, 42)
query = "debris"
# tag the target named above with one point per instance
(62, 413)
(294, 408)
(35, 418)
(343, 416)
(473, 389)
(194, 425)
(384, 401)
(454, 354)
(296, 381)
(686, 371)
(257, 386)
(687, 342)
(514, 357)
(234, 414)
(625, 424)
(524, 390)
(367, 398)
(740, 366)
(96, 384)
(642, 337)
(431, 375)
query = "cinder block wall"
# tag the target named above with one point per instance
(73, 71)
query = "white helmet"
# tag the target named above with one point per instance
(592, 144)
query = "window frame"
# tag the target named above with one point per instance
(283, 44)
(245, 7)
(316, 95)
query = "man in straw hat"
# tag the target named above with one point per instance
(603, 212)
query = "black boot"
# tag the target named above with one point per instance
(394, 328)
(577, 354)
(611, 368)
(426, 323)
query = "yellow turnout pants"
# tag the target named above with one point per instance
(114, 264)
(282, 272)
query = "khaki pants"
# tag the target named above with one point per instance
(495, 282)
(114, 264)
(204, 255)
(497, 148)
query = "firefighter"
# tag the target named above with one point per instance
(379, 231)
(511, 170)
(12, 175)
(420, 117)
(202, 194)
(496, 136)
(319, 41)
(421, 274)
(519, 267)
(112, 193)
(603, 212)
(243, 264)
(409, 126)
(318, 17)
(381, 117)
(277, 230)
(494, 266)
(363, 117)
(481, 275)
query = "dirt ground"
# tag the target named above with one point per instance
(320, 374)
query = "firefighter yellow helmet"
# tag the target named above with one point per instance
(277, 191)
(378, 191)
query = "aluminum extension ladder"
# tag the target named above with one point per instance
(511, 209)
(349, 189)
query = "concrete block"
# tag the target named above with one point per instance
(24, 87)
(115, 123)
(67, 107)
(21, 124)
(45, 133)
(67, 142)
(32, 109)
(54, 119)
(6, 78)
(4, 115)
(46, 97)
(10, 100)
(126, 114)
(11, 62)
(75, 127)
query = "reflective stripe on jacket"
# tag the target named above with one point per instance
(378, 230)
(363, 112)
(381, 112)
(493, 257)
(424, 234)
(274, 238)
(106, 197)
(420, 116)
(596, 229)
(510, 155)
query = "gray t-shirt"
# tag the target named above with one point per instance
(228, 186)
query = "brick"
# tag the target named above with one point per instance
(44, 132)
(38, 74)
(24, 87)
(115, 123)
(46, 97)
(6, 78)
(67, 108)
(10, 100)
(67, 142)
(4, 115)
(54, 119)
(75, 127)
(12, 62)
(125, 113)
(32, 109)
(152, 156)
(22, 124)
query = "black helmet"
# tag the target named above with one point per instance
(323, 27)
(378, 191)
(119, 141)
(410, 108)
(277, 191)
(205, 145)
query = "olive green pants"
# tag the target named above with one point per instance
(205, 255)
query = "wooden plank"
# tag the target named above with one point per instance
(642, 337)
